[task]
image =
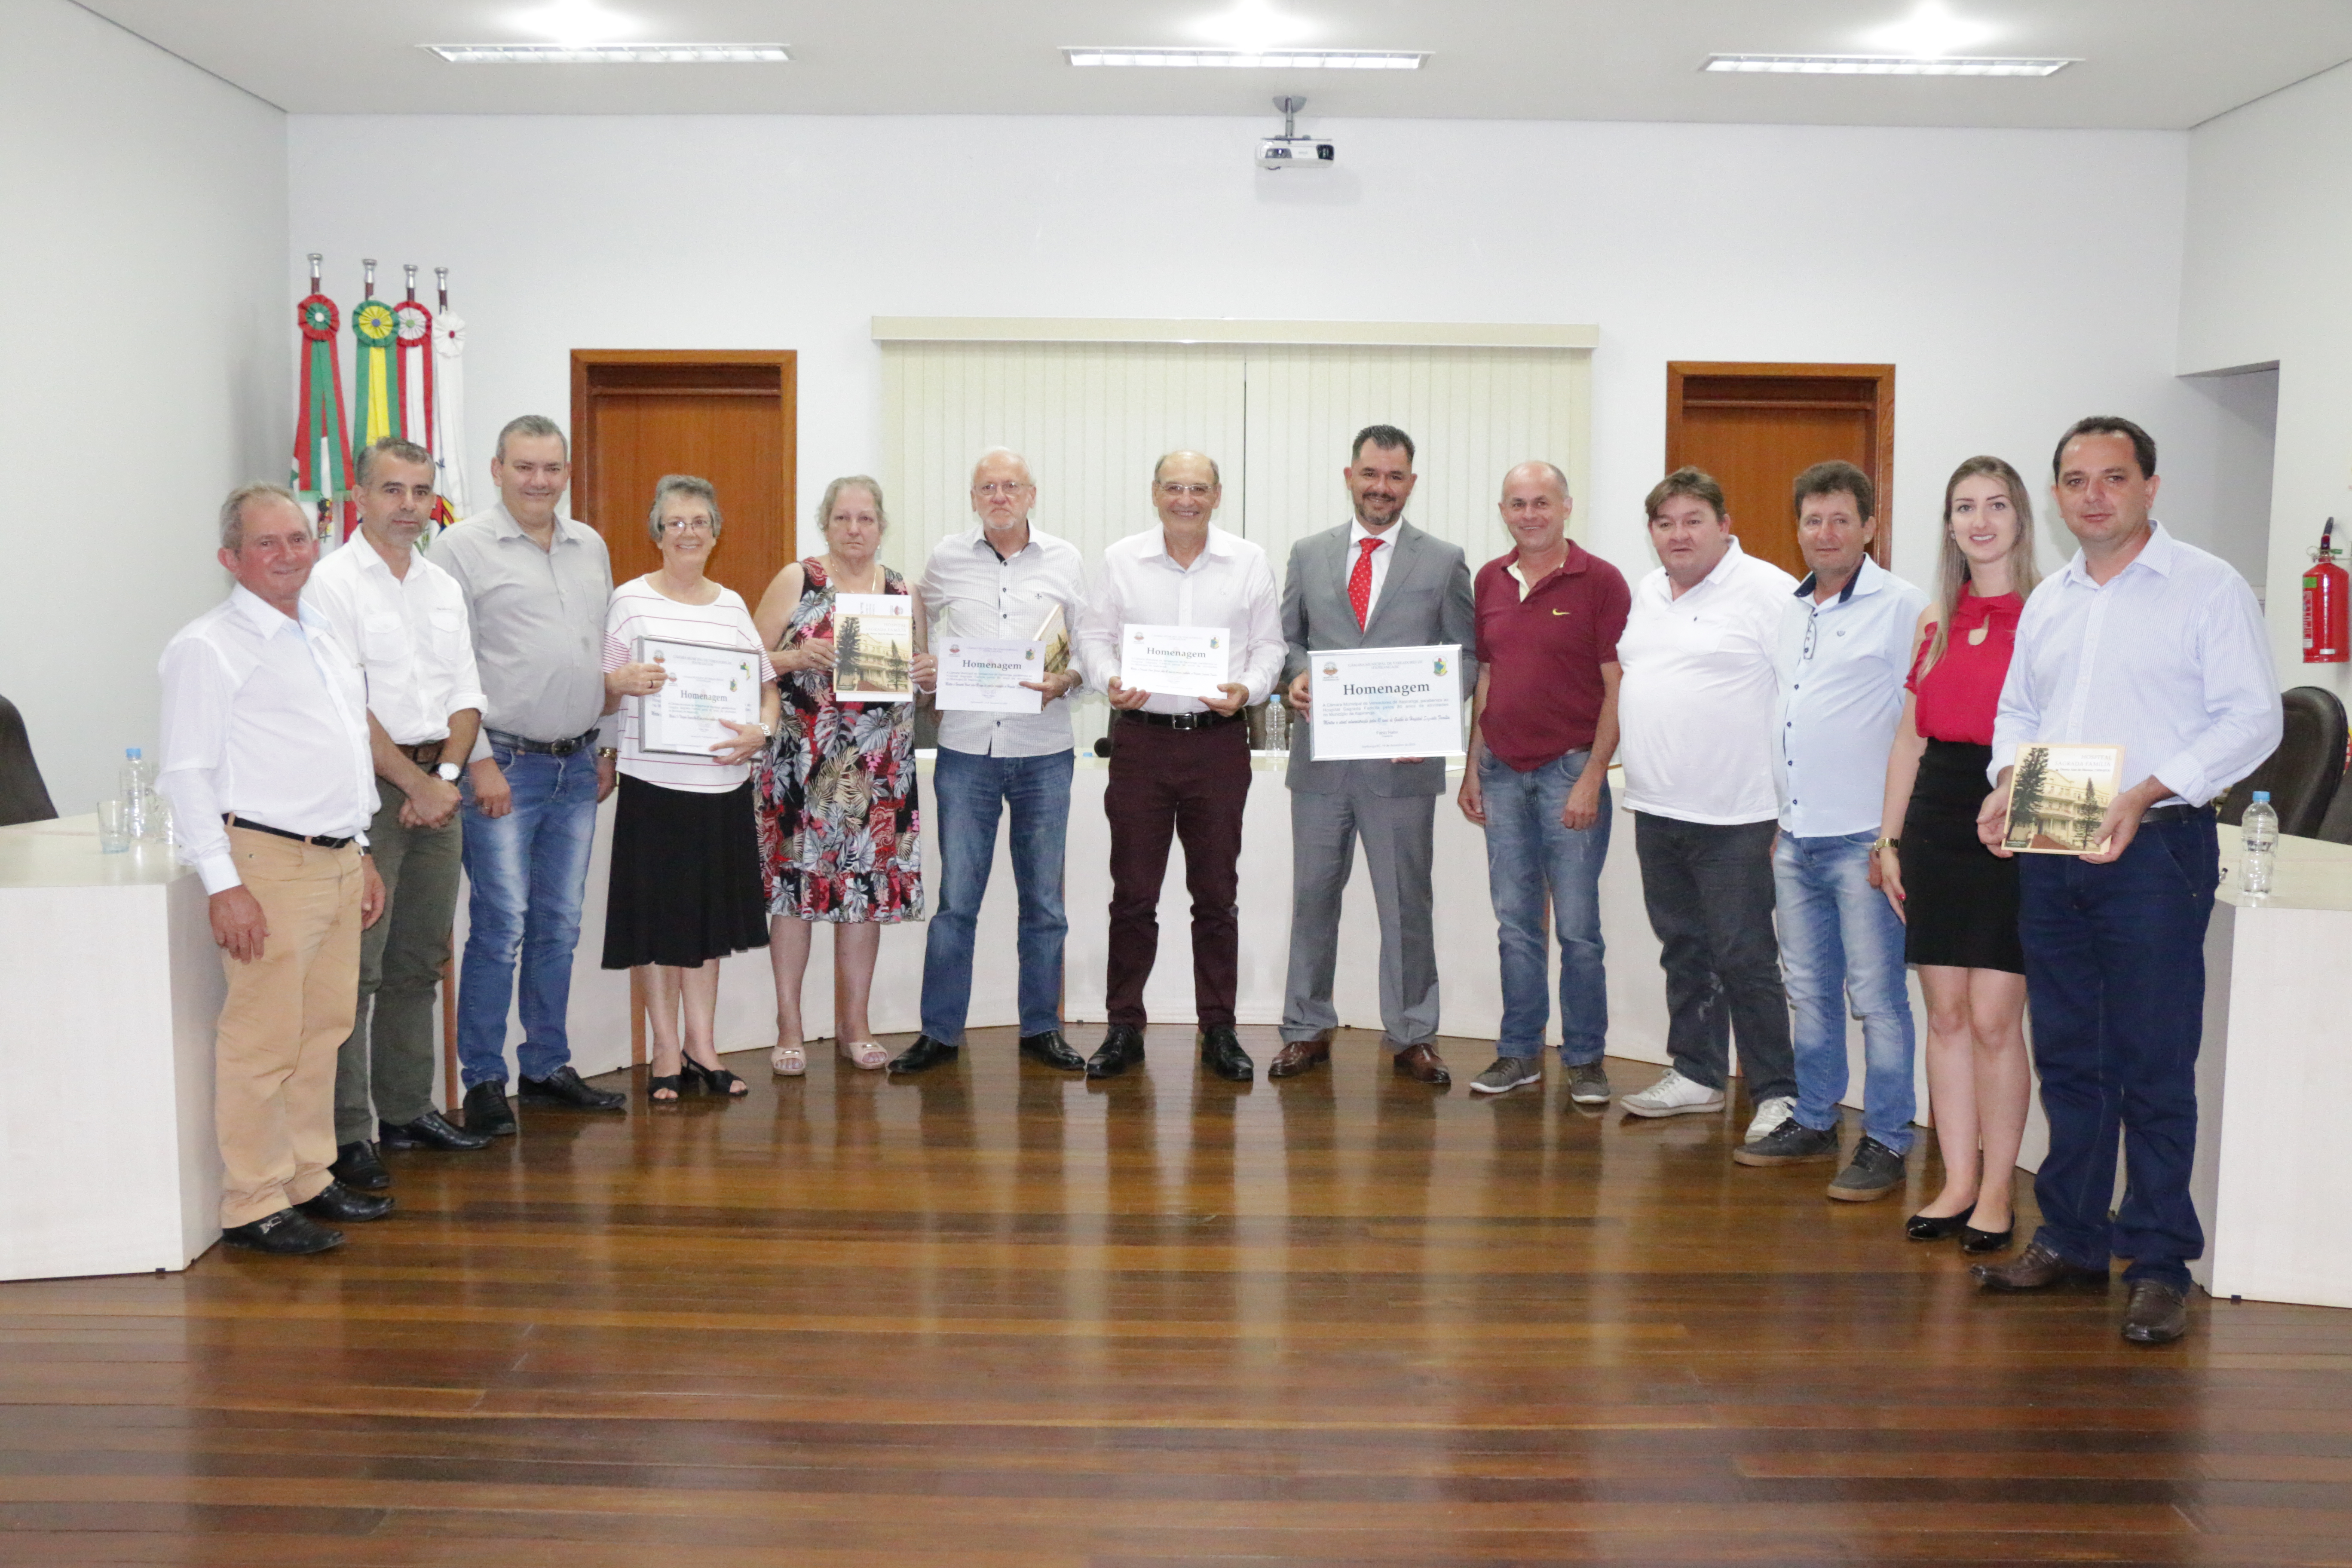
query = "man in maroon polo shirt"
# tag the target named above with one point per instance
(1543, 725)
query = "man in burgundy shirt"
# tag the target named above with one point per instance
(1543, 725)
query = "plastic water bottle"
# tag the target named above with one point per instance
(2258, 837)
(138, 788)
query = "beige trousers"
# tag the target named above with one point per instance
(287, 1012)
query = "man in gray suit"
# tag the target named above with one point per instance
(1376, 582)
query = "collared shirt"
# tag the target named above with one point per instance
(537, 620)
(1541, 647)
(1840, 667)
(969, 591)
(1694, 705)
(410, 634)
(1381, 555)
(1229, 584)
(263, 716)
(2168, 659)
(641, 610)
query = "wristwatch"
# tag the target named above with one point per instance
(446, 773)
(1887, 844)
(603, 752)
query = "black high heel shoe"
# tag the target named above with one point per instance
(1975, 1240)
(1934, 1227)
(655, 1084)
(712, 1081)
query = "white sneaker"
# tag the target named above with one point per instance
(1769, 1116)
(1673, 1095)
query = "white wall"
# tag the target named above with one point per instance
(2270, 230)
(1967, 262)
(147, 364)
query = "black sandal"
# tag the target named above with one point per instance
(655, 1085)
(713, 1080)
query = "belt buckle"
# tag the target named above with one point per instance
(1184, 721)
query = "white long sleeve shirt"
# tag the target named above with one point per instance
(969, 591)
(263, 716)
(1230, 583)
(2168, 659)
(411, 636)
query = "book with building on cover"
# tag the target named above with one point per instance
(1054, 632)
(2058, 797)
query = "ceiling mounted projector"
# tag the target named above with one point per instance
(1290, 149)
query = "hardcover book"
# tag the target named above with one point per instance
(2059, 794)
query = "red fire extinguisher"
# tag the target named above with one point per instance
(2325, 638)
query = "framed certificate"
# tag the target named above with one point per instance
(709, 686)
(872, 647)
(1381, 703)
(1174, 661)
(984, 674)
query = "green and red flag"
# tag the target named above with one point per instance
(322, 452)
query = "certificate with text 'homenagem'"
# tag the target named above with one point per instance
(986, 674)
(1382, 703)
(709, 687)
(1174, 661)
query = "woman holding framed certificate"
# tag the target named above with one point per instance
(697, 694)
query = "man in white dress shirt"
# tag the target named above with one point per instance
(1004, 578)
(1180, 766)
(1695, 708)
(1845, 648)
(265, 759)
(2149, 643)
(405, 618)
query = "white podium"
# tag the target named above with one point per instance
(107, 1160)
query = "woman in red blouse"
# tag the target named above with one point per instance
(1958, 900)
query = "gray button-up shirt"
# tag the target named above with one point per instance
(969, 593)
(538, 619)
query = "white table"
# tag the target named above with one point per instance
(108, 1161)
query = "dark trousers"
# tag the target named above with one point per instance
(1708, 889)
(2115, 968)
(1192, 784)
(384, 1070)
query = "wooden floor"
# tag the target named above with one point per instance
(998, 1316)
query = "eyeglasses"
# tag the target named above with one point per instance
(1001, 489)
(1179, 492)
(686, 525)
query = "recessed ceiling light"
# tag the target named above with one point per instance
(610, 54)
(1886, 64)
(1253, 59)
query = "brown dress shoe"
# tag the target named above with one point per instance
(1296, 1056)
(2035, 1268)
(2158, 1313)
(1422, 1065)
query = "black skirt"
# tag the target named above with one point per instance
(1960, 897)
(685, 876)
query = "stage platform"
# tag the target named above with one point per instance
(998, 1316)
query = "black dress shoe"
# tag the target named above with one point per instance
(1122, 1048)
(1925, 1227)
(430, 1130)
(924, 1055)
(2035, 1268)
(288, 1233)
(1222, 1053)
(486, 1110)
(564, 1087)
(1975, 1240)
(1052, 1050)
(356, 1166)
(344, 1206)
(2158, 1313)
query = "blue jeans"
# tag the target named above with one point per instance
(2115, 968)
(528, 870)
(1528, 853)
(1839, 939)
(971, 792)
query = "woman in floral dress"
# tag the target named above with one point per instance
(837, 818)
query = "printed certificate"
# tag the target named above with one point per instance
(707, 687)
(1174, 661)
(984, 674)
(872, 647)
(1385, 702)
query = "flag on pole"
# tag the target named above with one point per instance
(449, 406)
(376, 411)
(322, 453)
(414, 356)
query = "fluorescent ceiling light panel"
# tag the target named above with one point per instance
(610, 54)
(1253, 59)
(1885, 65)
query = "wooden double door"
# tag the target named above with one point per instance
(1757, 427)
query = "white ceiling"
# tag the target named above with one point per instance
(2147, 64)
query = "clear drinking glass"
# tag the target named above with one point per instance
(113, 827)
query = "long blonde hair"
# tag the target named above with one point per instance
(1954, 575)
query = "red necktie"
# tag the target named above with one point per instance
(1359, 580)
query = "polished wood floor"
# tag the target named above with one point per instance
(998, 1316)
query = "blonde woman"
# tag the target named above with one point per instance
(839, 839)
(1958, 900)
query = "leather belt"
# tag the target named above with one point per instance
(2177, 813)
(322, 840)
(425, 754)
(545, 748)
(1203, 721)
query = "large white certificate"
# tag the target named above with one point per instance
(872, 647)
(1174, 661)
(707, 686)
(985, 674)
(1386, 702)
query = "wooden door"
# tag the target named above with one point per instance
(725, 416)
(1757, 427)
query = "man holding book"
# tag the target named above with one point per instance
(2156, 649)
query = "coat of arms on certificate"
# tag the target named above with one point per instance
(2058, 795)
